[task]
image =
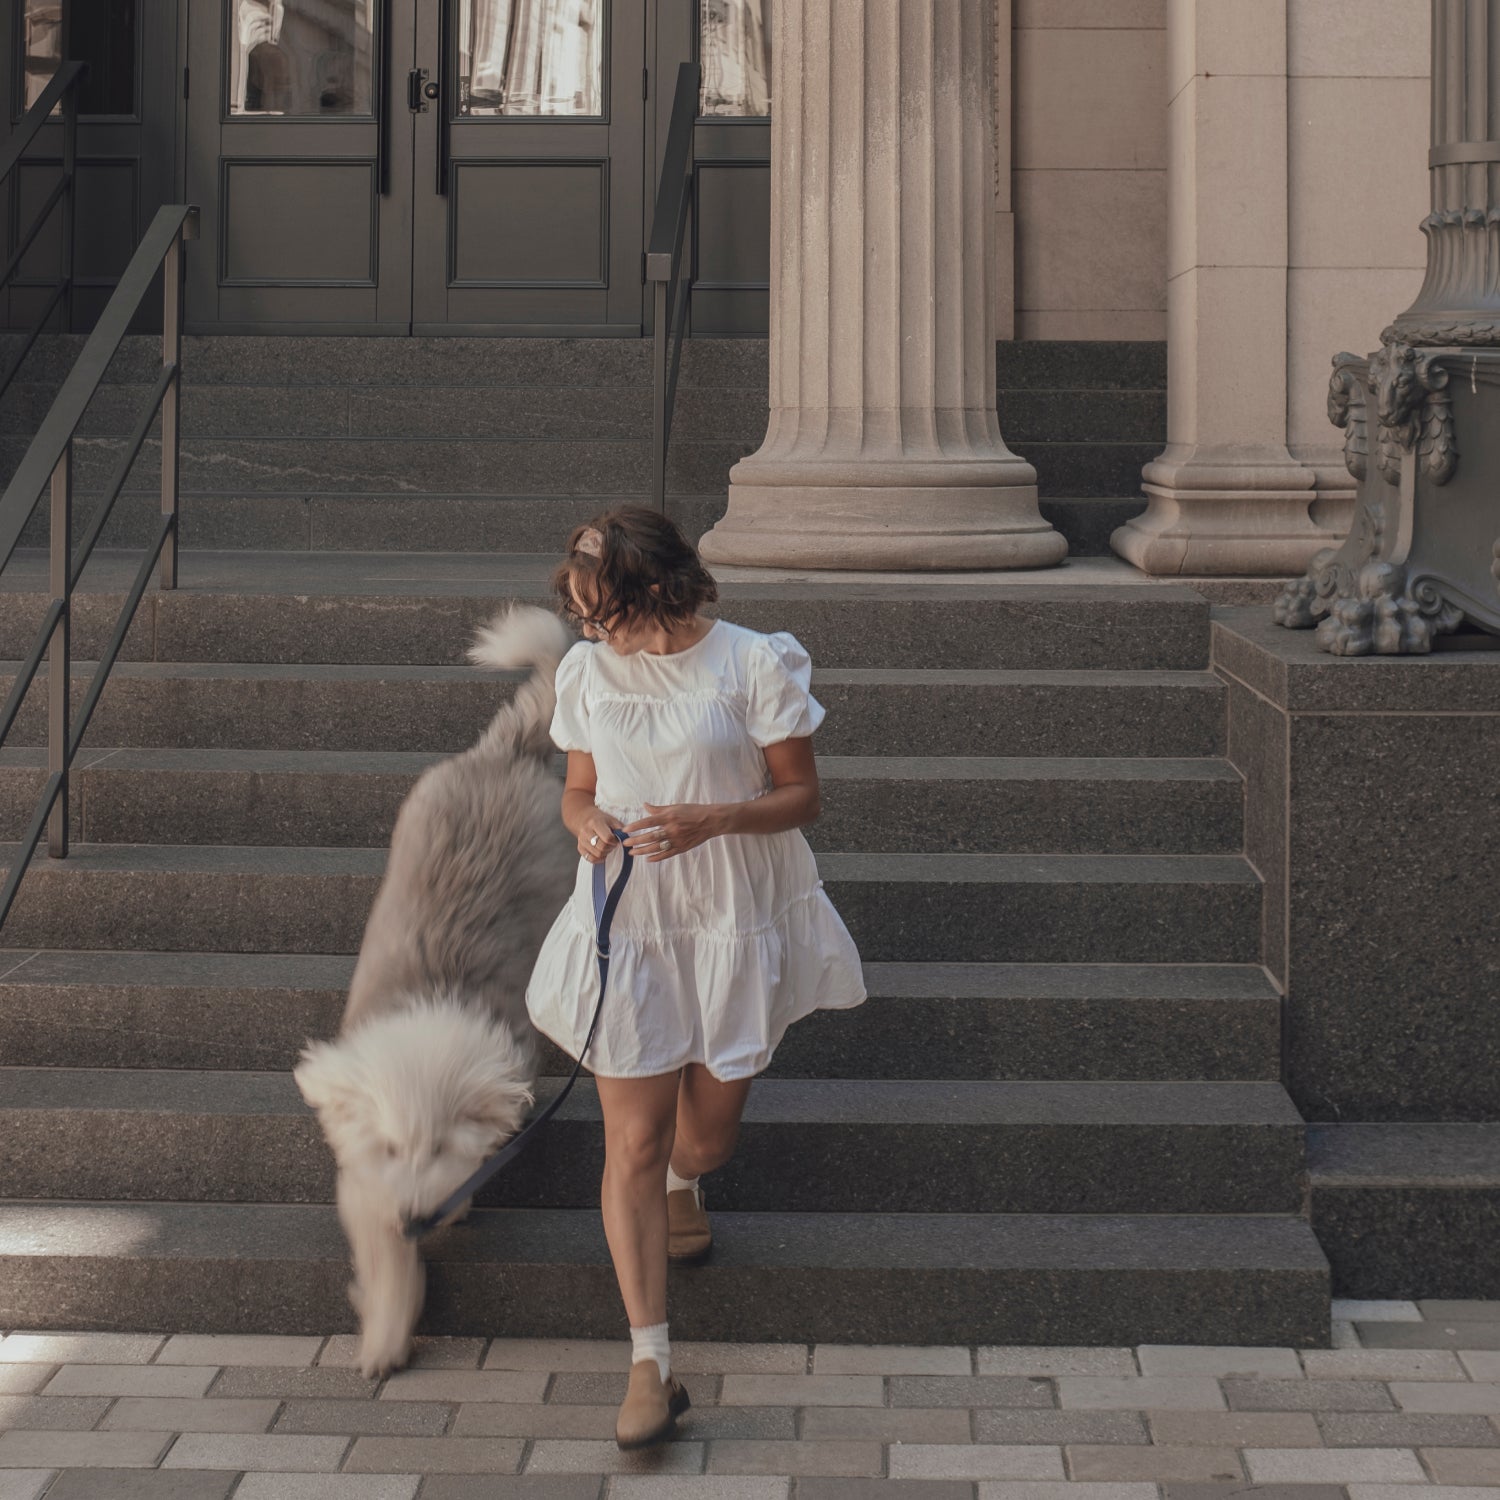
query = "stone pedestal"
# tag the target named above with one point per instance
(1421, 414)
(884, 448)
(1226, 497)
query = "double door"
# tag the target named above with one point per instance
(418, 165)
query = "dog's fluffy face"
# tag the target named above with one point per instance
(413, 1101)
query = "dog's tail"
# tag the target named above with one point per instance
(523, 637)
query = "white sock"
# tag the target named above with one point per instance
(652, 1343)
(676, 1184)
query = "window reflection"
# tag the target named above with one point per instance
(734, 47)
(300, 57)
(100, 33)
(531, 57)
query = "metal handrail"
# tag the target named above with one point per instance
(48, 464)
(62, 87)
(666, 269)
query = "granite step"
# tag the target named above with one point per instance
(922, 908)
(822, 1277)
(859, 1146)
(423, 611)
(331, 798)
(1408, 1208)
(90, 1009)
(904, 712)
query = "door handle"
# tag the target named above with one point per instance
(442, 95)
(417, 90)
(383, 100)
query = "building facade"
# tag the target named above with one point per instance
(1166, 170)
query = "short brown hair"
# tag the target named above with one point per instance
(644, 569)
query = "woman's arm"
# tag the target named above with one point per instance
(579, 814)
(792, 802)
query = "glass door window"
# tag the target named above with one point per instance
(300, 58)
(734, 48)
(531, 57)
(101, 33)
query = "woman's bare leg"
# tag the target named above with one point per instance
(639, 1125)
(708, 1120)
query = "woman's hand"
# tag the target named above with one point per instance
(595, 836)
(670, 831)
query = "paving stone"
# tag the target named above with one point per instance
(1158, 1393)
(341, 1352)
(592, 1388)
(1045, 1489)
(79, 1348)
(186, 1414)
(20, 1449)
(328, 1487)
(560, 1354)
(1460, 1309)
(1427, 1492)
(1436, 1395)
(1005, 1360)
(1463, 1465)
(1430, 1335)
(1170, 1359)
(975, 1461)
(1482, 1364)
(465, 1385)
(738, 1359)
(26, 1484)
(802, 1390)
(434, 1455)
(886, 1489)
(1156, 1462)
(887, 1359)
(138, 1484)
(130, 1380)
(1307, 1395)
(238, 1349)
(700, 1487)
(512, 1487)
(1183, 1490)
(1401, 1429)
(738, 1456)
(288, 1385)
(269, 1453)
(21, 1380)
(517, 1420)
(970, 1390)
(910, 1425)
(1362, 1310)
(1382, 1364)
(1236, 1429)
(54, 1413)
(380, 1418)
(996, 1425)
(1333, 1466)
(1342, 1335)
(562, 1456)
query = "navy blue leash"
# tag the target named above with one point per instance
(606, 899)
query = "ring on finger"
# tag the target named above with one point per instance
(665, 844)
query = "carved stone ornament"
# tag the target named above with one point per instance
(1384, 618)
(1414, 410)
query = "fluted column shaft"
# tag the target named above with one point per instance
(883, 448)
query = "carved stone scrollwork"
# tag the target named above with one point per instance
(1414, 411)
(1346, 409)
(1306, 600)
(1383, 618)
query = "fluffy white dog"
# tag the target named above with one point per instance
(434, 1065)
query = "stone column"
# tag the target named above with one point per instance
(884, 448)
(1226, 496)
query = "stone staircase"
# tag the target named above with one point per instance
(1058, 1119)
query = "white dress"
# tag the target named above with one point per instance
(716, 951)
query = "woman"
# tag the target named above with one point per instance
(694, 738)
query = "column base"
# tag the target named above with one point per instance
(884, 529)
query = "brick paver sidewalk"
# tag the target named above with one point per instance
(1411, 1396)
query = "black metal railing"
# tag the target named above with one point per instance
(670, 271)
(61, 89)
(48, 464)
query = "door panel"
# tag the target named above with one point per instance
(520, 227)
(285, 122)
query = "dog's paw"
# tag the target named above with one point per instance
(383, 1353)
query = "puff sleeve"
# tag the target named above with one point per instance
(779, 704)
(570, 718)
